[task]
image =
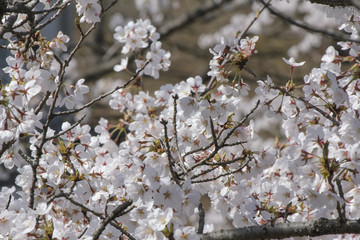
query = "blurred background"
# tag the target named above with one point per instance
(208, 21)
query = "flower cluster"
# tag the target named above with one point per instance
(234, 54)
(136, 36)
(184, 142)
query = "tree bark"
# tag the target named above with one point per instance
(311, 228)
(333, 3)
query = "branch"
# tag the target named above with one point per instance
(222, 144)
(219, 175)
(50, 115)
(101, 96)
(185, 20)
(114, 214)
(285, 230)
(213, 134)
(6, 145)
(286, 92)
(168, 152)
(341, 206)
(67, 130)
(310, 105)
(254, 19)
(42, 102)
(212, 82)
(201, 219)
(117, 226)
(333, 3)
(307, 27)
(181, 159)
(228, 135)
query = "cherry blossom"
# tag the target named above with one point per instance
(184, 142)
(292, 63)
(60, 41)
(89, 9)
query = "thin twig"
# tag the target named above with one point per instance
(82, 206)
(122, 230)
(310, 105)
(101, 96)
(213, 134)
(254, 19)
(42, 102)
(168, 151)
(114, 214)
(228, 135)
(212, 82)
(223, 143)
(222, 175)
(224, 163)
(33, 185)
(216, 164)
(181, 160)
(235, 143)
(307, 27)
(6, 145)
(185, 20)
(286, 92)
(65, 131)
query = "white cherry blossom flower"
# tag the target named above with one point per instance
(187, 233)
(80, 89)
(60, 41)
(89, 10)
(122, 65)
(292, 63)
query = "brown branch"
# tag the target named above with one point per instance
(6, 145)
(310, 105)
(341, 207)
(213, 134)
(215, 165)
(254, 19)
(42, 102)
(168, 152)
(220, 175)
(67, 130)
(201, 219)
(240, 123)
(223, 143)
(181, 159)
(285, 230)
(333, 3)
(212, 82)
(114, 214)
(122, 230)
(286, 92)
(50, 115)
